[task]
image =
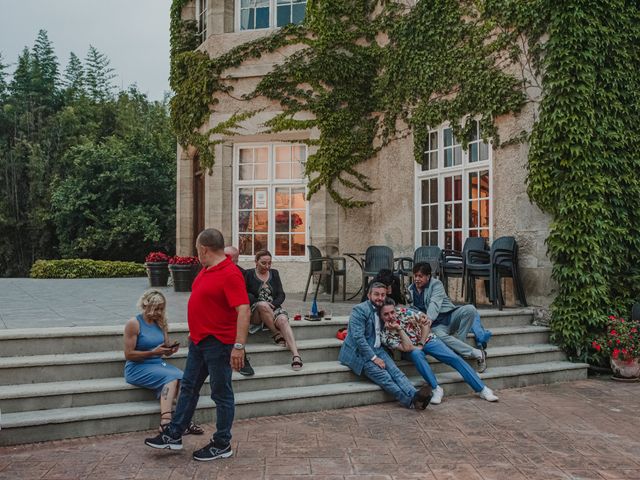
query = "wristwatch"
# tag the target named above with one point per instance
(238, 346)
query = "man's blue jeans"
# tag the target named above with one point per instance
(437, 349)
(390, 378)
(210, 358)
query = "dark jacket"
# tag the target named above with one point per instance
(254, 284)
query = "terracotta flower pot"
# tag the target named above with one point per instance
(158, 273)
(625, 368)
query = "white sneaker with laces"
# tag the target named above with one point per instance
(487, 394)
(254, 328)
(437, 395)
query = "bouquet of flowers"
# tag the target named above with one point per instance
(157, 257)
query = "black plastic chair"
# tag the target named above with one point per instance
(376, 258)
(452, 262)
(635, 312)
(321, 266)
(501, 262)
(504, 260)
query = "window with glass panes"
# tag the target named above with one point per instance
(270, 207)
(453, 189)
(202, 19)
(257, 14)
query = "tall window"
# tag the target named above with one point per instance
(453, 190)
(270, 199)
(201, 13)
(257, 14)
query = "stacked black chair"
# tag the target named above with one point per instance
(331, 267)
(376, 258)
(501, 262)
(635, 312)
(452, 262)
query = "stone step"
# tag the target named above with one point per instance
(43, 425)
(81, 393)
(51, 341)
(82, 366)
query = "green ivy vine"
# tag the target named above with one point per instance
(370, 71)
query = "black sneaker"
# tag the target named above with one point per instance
(211, 452)
(163, 440)
(247, 370)
(422, 398)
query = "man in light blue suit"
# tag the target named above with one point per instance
(362, 352)
(449, 322)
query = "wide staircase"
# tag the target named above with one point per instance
(67, 382)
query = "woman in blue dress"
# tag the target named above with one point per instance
(146, 342)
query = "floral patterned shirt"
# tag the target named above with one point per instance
(411, 321)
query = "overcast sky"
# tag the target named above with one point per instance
(134, 34)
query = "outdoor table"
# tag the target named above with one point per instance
(359, 259)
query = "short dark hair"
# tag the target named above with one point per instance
(385, 276)
(389, 301)
(263, 253)
(422, 267)
(376, 285)
(211, 238)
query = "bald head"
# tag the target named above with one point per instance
(232, 252)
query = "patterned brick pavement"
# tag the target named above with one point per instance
(582, 430)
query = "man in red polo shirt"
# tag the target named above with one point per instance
(218, 314)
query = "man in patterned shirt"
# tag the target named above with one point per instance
(409, 331)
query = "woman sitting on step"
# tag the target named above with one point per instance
(266, 296)
(146, 342)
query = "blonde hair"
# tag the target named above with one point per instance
(150, 302)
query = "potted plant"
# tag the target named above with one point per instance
(157, 271)
(183, 271)
(621, 342)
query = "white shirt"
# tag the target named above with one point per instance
(377, 325)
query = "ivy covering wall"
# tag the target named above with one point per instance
(370, 71)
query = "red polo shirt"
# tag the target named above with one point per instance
(215, 294)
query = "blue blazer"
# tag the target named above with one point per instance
(361, 337)
(435, 299)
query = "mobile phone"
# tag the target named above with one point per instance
(174, 345)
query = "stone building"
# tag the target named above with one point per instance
(255, 193)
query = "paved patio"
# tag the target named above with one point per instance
(580, 430)
(33, 303)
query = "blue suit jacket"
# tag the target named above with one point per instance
(435, 299)
(361, 336)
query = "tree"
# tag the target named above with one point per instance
(74, 80)
(98, 75)
(45, 69)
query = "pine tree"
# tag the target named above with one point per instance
(98, 75)
(3, 82)
(45, 69)
(21, 83)
(74, 77)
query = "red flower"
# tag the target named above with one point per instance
(611, 317)
(634, 330)
(157, 257)
(613, 332)
(183, 260)
(616, 353)
(596, 346)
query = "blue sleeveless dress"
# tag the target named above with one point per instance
(153, 373)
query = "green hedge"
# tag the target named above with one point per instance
(86, 268)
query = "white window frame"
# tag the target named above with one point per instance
(201, 18)
(440, 173)
(273, 16)
(271, 183)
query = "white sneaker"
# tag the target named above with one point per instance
(487, 394)
(436, 397)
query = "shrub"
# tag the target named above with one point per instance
(86, 268)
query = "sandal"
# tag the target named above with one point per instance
(296, 364)
(162, 418)
(279, 339)
(193, 429)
